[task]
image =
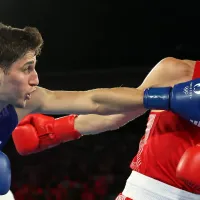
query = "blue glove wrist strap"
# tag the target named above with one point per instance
(157, 98)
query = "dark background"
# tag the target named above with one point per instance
(90, 44)
(102, 34)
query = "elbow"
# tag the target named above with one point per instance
(102, 105)
(99, 106)
(101, 109)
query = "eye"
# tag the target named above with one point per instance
(28, 69)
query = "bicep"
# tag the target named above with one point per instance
(66, 102)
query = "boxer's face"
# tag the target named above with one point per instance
(20, 81)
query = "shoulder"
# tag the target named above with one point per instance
(172, 64)
(169, 71)
(179, 70)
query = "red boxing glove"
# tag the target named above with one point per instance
(188, 168)
(37, 132)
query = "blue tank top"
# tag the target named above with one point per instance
(8, 122)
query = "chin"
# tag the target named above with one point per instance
(21, 104)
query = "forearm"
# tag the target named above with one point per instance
(94, 124)
(117, 100)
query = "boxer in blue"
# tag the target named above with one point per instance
(8, 121)
(21, 95)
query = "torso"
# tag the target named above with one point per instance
(8, 122)
(166, 138)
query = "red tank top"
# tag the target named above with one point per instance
(166, 138)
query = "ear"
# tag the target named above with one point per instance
(2, 74)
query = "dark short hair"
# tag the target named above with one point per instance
(16, 42)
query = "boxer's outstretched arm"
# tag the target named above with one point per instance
(97, 101)
(113, 100)
(107, 101)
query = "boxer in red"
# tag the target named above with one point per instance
(160, 170)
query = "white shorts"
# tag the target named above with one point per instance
(141, 187)
(8, 196)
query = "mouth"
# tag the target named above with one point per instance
(28, 95)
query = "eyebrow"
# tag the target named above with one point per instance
(29, 63)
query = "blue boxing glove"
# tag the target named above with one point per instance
(183, 99)
(5, 174)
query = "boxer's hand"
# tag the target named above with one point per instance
(5, 174)
(188, 168)
(183, 99)
(37, 132)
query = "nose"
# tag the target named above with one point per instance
(34, 80)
